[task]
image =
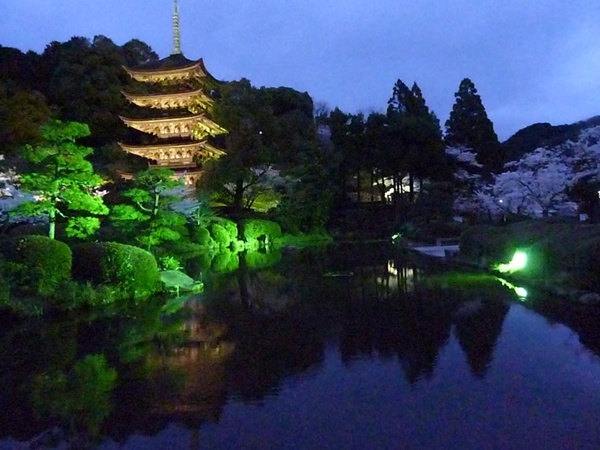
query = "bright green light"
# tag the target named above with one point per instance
(521, 292)
(518, 262)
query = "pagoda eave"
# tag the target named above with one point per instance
(179, 153)
(210, 151)
(171, 101)
(165, 127)
(156, 75)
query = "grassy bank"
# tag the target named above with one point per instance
(566, 254)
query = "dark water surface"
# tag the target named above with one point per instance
(353, 347)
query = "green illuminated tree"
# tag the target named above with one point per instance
(469, 126)
(62, 181)
(148, 217)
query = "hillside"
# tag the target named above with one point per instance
(544, 135)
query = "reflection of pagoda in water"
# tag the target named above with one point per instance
(175, 116)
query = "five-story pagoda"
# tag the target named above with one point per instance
(174, 112)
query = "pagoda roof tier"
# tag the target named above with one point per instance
(171, 101)
(170, 127)
(175, 155)
(173, 68)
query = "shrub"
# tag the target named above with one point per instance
(261, 230)
(230, 226)
(220, 235)
(169, 263)
(201, 236)
(131, 268)
(37, 263)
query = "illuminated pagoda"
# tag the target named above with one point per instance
(176, 112)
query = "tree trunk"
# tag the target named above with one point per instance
(52, 223)
(238, 195)
(155, 205)
(54, 202)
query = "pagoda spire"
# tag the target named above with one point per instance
(176, 32)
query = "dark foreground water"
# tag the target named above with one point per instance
(349, 348)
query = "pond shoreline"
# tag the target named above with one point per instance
(559, 284)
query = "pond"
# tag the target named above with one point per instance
(353, 346)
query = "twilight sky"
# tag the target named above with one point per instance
(531, 60)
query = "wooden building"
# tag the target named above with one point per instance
(174, 112)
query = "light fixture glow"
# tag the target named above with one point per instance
(520, 291)
(518, 262)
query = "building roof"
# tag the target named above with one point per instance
(176, 100)
(175, 66)
(185, 126)
(174, 151)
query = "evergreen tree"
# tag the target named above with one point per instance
(271, 132)
(62, 180)
(137, 53)
(469, 126)
(338, 129)
(237, 178)
(377, 147)
(417, 132)
(147, 216)
(21, 116)
(84, 80)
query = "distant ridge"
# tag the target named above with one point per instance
(544, 135)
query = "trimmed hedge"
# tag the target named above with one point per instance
(132, 269)
(201, 236)
(230, 227)
(259, 229)
(220, 235)
(37, 263)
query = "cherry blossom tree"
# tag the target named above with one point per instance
(10, 195)
(534, 185)
(467, 180)
(540, 182)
